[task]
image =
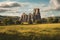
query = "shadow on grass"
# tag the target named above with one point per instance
(28, 36)
(56, 29)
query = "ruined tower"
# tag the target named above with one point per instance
(24, 17)
(36, 14)
(30, 18)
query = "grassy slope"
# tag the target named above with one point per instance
(30, 32)
(34, 28)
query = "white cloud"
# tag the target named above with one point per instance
(53, 5)
(19, 7)
(9, 6)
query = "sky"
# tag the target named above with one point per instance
(47, 8)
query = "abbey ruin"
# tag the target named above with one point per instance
(35, 16)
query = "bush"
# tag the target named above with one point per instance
(18, 22)
(38, 21)
(30, 22)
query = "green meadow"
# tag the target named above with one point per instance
(30, 32)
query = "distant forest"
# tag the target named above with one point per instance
(15, 20)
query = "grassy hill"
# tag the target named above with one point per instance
(30, 32)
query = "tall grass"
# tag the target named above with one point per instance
(30, 32)
(29, 36)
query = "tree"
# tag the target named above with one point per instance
(30, 22)
(49, 20)
(1, 23)
(18, 22)
(52, 20)
(44, 20)
(10, 22)
(55, 20)
(6, 21)
(38, 21)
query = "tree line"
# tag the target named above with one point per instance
(15, 21)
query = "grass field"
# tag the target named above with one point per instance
(30, 32)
